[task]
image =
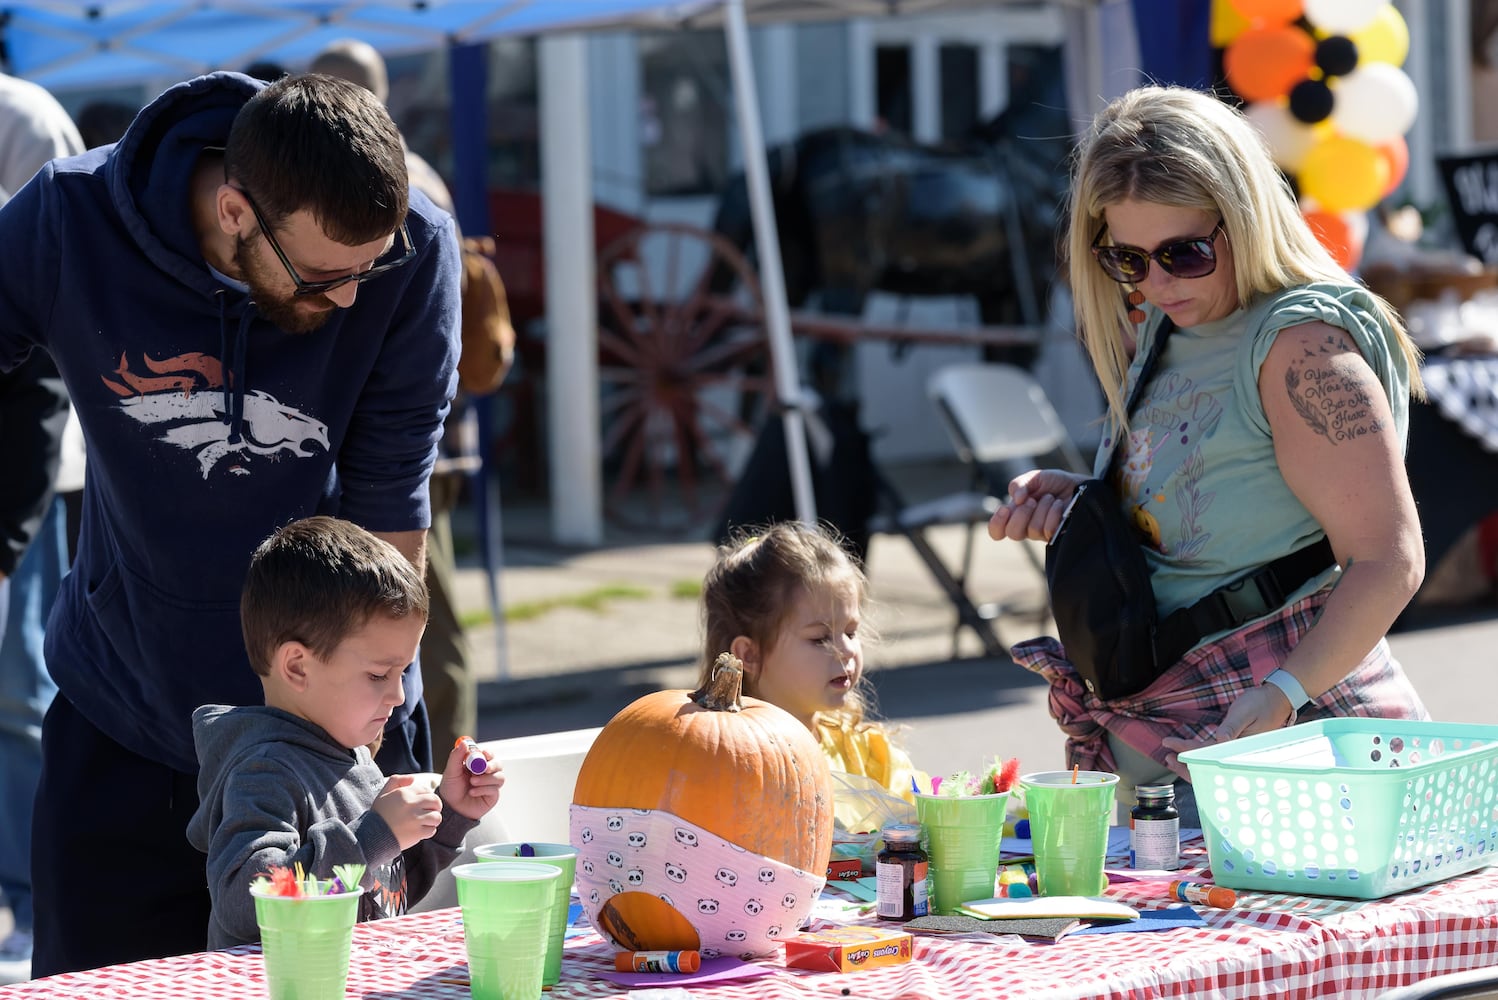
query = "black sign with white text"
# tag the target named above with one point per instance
(1472, 190)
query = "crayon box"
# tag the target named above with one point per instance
(845, 869)
(848, 949)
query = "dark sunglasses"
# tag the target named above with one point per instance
(399, 254)
(1193, 258)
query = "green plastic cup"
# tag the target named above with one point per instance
(963, 834)
(1069, 829)
(564, 857)
(506, 907)
(306, 941)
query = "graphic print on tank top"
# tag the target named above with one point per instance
(1160, 468)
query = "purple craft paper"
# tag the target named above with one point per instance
(1150, 920)
(713, 970)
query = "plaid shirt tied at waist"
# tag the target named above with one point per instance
(1191, 697)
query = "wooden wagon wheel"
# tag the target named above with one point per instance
(685, 371)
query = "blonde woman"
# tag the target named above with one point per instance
(1276, 416)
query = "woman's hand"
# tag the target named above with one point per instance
(1037, 500)
(1257, 710)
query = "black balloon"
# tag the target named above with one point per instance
(1311, 101)
(1337, 55)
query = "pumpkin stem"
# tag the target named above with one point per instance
(724, 685)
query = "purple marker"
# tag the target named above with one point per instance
(474, 759)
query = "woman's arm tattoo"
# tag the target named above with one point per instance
(1333, 391)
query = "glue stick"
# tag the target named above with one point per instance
(474, 759)
(1203, 894)
(657, 961)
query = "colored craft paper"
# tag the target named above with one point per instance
(1150, 920)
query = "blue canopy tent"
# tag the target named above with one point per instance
(62, 44)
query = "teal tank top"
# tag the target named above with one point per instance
(1198, 473)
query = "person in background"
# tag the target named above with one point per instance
(331, 616)
(102, 122)
(196, 283)
(33, 559)
(34, 129)
(1276, 417)
(448, 680)
(788, 601)
(265, 70)
(359, 62)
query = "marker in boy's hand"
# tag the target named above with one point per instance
(469, 789)
(474, 757)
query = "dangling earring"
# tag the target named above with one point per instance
(1135, 300)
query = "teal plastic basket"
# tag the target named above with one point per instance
(1357, 808)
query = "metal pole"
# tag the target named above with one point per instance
(771, 276)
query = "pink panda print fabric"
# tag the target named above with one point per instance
(740, 903)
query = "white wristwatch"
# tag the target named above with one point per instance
(1286, 682)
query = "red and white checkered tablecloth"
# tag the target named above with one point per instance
(1290, 947)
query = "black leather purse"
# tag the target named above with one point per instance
(1102, 598)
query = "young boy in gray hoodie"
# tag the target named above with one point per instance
(331, 616)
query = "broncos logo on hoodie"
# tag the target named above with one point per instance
(196, 420)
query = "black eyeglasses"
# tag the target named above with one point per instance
(399, 254)
(1193, 258)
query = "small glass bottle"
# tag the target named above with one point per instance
(1155, 829)
(900, 874)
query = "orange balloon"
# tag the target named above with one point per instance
(1269, 12)
(1338, 235)
(1396, 153)
(1264, 63)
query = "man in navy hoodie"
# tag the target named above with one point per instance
(256, 321)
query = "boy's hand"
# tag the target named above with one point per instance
(469, 794)
(412, 811)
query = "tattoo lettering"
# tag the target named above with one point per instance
(1333, 392)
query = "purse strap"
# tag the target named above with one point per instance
(1251, 596)
(1245, 599)
(1146, 372)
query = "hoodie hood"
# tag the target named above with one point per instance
(150, 171)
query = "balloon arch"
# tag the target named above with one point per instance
(1321, 80)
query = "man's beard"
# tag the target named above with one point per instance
(282, 310)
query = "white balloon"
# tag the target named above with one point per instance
(1288, 137)
(1342, 17)
(1374, 103)
(1357, 224)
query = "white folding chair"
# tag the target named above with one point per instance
(1001, 423)
(998, 414)
(540, 774)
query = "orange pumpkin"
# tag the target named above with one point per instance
(741, 768)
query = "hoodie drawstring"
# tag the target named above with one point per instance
(234, 363)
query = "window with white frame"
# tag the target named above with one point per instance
(684, 112)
